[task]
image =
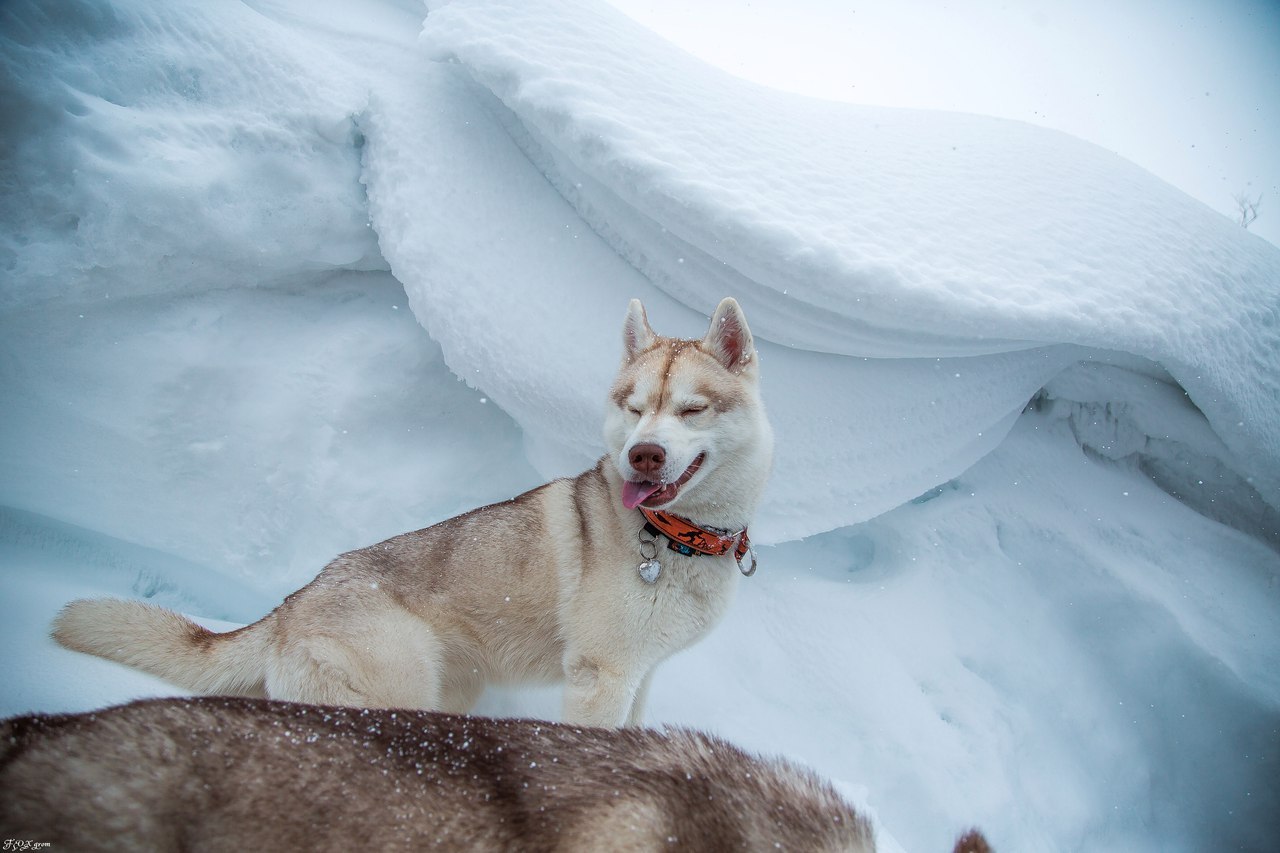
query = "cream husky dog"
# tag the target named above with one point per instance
(250, 774)
(594, 580)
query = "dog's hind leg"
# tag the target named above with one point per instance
(393, 661)
(597, 694)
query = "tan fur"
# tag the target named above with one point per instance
(245, 774)
(541, 588)
(234, 774)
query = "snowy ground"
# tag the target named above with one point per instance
(1050, 645)
(1024, 570)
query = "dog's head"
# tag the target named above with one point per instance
(686, 427)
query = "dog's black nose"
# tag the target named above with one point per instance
(647, 459)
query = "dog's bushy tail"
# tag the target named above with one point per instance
(167, 644)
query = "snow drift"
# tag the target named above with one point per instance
(956, 251)
(915, 277)
(1018, 380)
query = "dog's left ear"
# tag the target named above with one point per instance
(729, 339)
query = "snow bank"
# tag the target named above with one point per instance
(914, 278)
(1050, 647)
(204, 397)
(937, 240)
(161, 163)
(256, 432)
(523, 299)
(178, 146)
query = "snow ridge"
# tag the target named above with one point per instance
(873, 232)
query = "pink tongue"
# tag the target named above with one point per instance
(634, 493)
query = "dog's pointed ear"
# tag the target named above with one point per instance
(636, 334)
(729, 339)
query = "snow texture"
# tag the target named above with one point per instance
(1025, 394)
(853, 231)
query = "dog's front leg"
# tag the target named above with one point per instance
(596, 694)
(636, 716)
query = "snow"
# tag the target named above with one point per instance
(1190, 90)
(861, 232)
(225, 228)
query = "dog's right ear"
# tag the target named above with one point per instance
(636, 334)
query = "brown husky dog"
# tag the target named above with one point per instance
(255, 775)
(594, 580)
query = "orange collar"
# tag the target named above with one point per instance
(685, 537)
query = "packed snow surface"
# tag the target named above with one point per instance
(1025, 394)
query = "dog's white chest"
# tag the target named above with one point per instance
(688, 595)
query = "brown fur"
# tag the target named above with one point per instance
(244, 774)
